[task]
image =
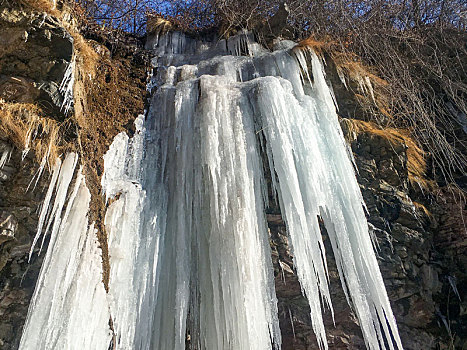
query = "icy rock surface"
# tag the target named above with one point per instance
(69, 308)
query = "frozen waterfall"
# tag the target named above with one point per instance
(69, 307)
(190, 262)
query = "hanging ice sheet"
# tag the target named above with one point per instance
(314, 176)
(69, 308)
(188, 241)
(309, 164)
(199, 239)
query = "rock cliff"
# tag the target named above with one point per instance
(420, 231)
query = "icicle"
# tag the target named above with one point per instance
(69, 308)
(234, 269)
(5, 155)
(27, 142)
(60, 183)
(66, 87)
(315, 177)
(40, 170)
(453, 283)
(45, 204)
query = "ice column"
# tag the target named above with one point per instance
(187, 228)
(69, 308)
(315, 177)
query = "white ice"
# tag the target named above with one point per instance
(5, 154)
(202, 92)
(184, 238)
(69, 308)
(62, 175)
(66, 87)
(190, 261)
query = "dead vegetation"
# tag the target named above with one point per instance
(47, 6)
(416, 157)
(26, 127)
(109, 92)
(357, 77)
(318, 46)
(158, 24)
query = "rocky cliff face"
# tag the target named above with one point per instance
(421, 235)
(35, 52)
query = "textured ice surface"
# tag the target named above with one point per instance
(66, 87)
(209, 110)
(62, 175)
(5, 154)
(131, 253)
(314, 177)
(188, 240)
(69, 308)
(185, 238)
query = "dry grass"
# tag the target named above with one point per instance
(346, 62)
(28, 130)
(416, 162)
(419, 207)
(372, 88)
(42, 6)
(157, 25)
(318, 46)
(86, 55)
(369, 89)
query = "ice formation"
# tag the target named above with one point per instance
(198, 198)
(62, 175)
(5, 154)
(66, 87)
(69, 308)
(188, 241)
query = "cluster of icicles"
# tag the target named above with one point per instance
(186, 224)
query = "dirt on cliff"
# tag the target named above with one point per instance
(107, 104)
(109, 90)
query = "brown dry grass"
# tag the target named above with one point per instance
(345, 61)
(158, 25)
(369, 89)
(92, 140)
(416, 162)
(421, 208)
(27, 129)
(85, 53)
(42, 6)
(318, 46)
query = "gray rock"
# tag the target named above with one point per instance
(35, 51)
